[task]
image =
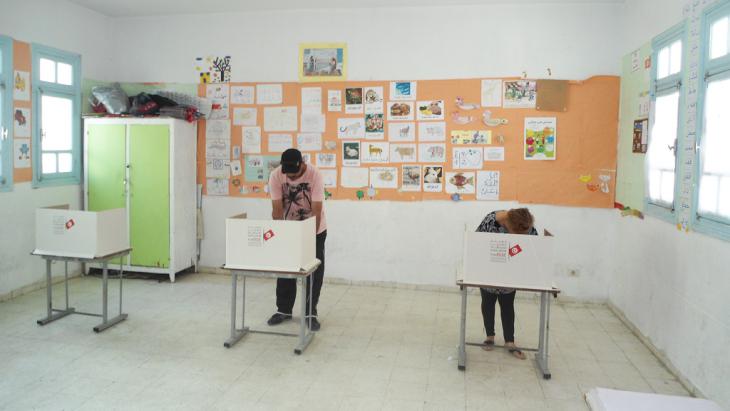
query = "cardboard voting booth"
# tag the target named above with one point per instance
(507, 260)
(84, 234)
(276, 245)
(604, 399)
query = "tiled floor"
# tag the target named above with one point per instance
(379, 348)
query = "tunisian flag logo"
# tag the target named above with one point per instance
(70, 223)
(268, 235)
(514, 250)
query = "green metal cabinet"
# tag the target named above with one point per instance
(148, 167)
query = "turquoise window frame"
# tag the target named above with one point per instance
(72, 92)
(661, 87)
(710, 70)
(6, 115)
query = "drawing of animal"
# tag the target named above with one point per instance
(412, 174)
(404, 131)
(434, 108)
(351, 152)
(374, 150)
(432, 175)
(436, 151)
(460, 180)
(386, 175)
(405, 151)
(351, 128)
(19, 117)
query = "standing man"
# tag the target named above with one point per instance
(297, 193)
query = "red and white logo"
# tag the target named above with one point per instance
(70, 223)
(268, 235)
(514, 250)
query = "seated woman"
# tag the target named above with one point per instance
(514, 221)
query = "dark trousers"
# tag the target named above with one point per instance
(506, 309)
(286, 288)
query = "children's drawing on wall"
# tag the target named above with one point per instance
(433, 179)
(269, 93)
(461, 119)
(242, 95)
(245, 116)
(217, 168)
(373, 100)
(21, 122)
(487, 185)
(411, 178)
(212, 69)
(322, 62)
(604, 179)
(217, 130)
(334, 100)
(326, 160)
(401, 131)
(384, 177)
(236, 170)
(430, 110)
(375, 152)
(353, 100)
(432, 131)
(329, 178)
(350, 128)
(216, 186)
(21, 85)
(520, 94)
(354, 177)
(257, 168)
(400, 110)
(540, 138)
(493, 153)
(403, 153)
(311, 99)
(374, 127)
(236, 152)
(279, 142)
(464, 105)
(432, 153)
(251, 140)
(403, 90)
(467, 158)
(218, 95)
(21, 159)
(465, 137)
(460, 182)
(281, 118)
(309, 141)
(217, 148)
(491, 93)
(351, 153)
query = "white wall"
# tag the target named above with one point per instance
(574, 40)
(644, 19)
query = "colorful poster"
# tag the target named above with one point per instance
(242, 95)
(329, 178)
(398, 110)
(374, 127)
(403, 153)
(354, 177)
(21, 122)
(430, 110)
(351, 153)
(401, 131)
(21, 85)
(374, 152)
(432, 153)
(520, 94)
(411, 178)
(258, 168)
(384, 177)
(491, 93)
(334, 100)
(353, 100)
(432, 131)
(326, 160)
(322, 62)
(466, 137)
(21, 157)
(279, 142)
(467, 158)
(640, 136)
(350, 127)
(403, 90)
(493, 153)
(540, 138)
(212, 69)
(460, 182)
(373, 100)
(269, 94)
(309, 142)
(216, 186)
(433, 179)
(487, 185)
(218, 96)
(251, 140)
(245, 116)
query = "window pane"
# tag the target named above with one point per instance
(56, 123)
(667, 185)
(65, 74)
(718, 38)
(48, 161)
(675, 58)
(64, 162)
(716, 138)
(662, 68)
(655, 180)
(48, 70)
(660, 157)
(724, 200)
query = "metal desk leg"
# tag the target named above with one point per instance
(50, 315)
(305, 335)
(106, 323)
(462, 331)
(236, 335)
(542, 353)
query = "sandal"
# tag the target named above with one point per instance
(517, 353)
(488, 345)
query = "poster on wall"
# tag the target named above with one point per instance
(21, 157)
(401, 131)
(329, 178)
(216, 186)
(309, 141)
(460, 182)
(21, 122)
(433, 179)
(384, 177)
(399, 111)
(279, 142)
(212, 69)
(540, 138)
(640, 136)
(374, 127)
(251, 139)
(269, 94)
(245, 116)
(311, 99)
(217, 168)
(326, 160)
(351, 127)
(322, 62)
(351, 153)
(491, 93)
(257, 168)
(218, 96)
(280, 118)
(354, 177)
(353, 100)
(373, 100)
(403, 90)
(403, 153)
(430, 110)
(466, 137)
(21, 85)
(432, 153)
(411, 178)
(334, 100)
(432, 131)
(374, 152)
(487, 185)
(467, 158)
(520, 94)
(242, 95)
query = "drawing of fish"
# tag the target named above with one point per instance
(461, 181)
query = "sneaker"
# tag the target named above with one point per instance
(278, 318)
(314, 324)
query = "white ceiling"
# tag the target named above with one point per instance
(138, 8)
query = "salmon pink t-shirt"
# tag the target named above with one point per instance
(299, 194)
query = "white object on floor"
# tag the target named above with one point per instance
(604, 399)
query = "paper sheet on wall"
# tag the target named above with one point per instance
(245, 116)
(460, 182)
(269, 94)
(432, 131)
(403, 90)
(311, 100)
(491, 93)
(374, 127)
(334, 100)
(326, 160)
(251, 139)
(384, 177)
(373, 100)
(487, 185)
(353, 100)
(216, 186)
(212, 69)
(374, 152)
(540, 139)
(242, 95)
(466, 137)
(520, 94)
(217, 168)
(402, 132)
(280, 118)
(257, 168)
(354, 177)
(236, 152)
(21, 122)
(217, 148)
(411, 178)
(21, 158)
(432, 153)
(493, 153)
(350, 127)
(329, 178)
(351, 153)
(433, 179)
(403, 153)
(279, 142)
(309, 142)
(218, 95)
(313, 122)
(217, 130)
(400, 110)
(430, 110)
(21, 85)
(467, 158)
(236, 168)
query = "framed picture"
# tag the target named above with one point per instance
(322, 62)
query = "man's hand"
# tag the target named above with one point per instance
(277, 209)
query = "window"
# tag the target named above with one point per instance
(56, 108)
(6, 124)
(712, 196)
(665, 121)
